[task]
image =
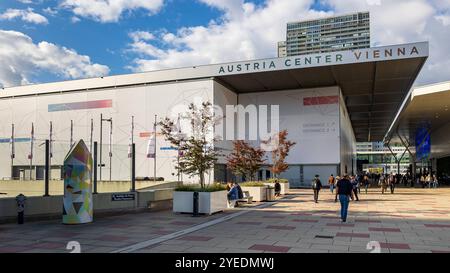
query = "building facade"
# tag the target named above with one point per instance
(314, 97)
(375, 157)
(282, 49)
(346, 32)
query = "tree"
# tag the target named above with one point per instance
(245, 160)
(199, 155)
(279, 152)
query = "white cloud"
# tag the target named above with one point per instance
(27, 15)
(75, 19)
(20, 59)
(444, 19)
(109, 10)
(247, 31)
(50, 11)
(141, 35)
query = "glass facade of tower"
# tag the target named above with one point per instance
(345, 32)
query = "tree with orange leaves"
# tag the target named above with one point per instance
(245, 160)
(280, 150)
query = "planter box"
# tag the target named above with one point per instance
(284, 187)
(258, 193)
(209, 202)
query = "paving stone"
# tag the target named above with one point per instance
(271, 248)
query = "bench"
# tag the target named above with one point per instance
(247, 198)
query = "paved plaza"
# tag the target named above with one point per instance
(411, 220)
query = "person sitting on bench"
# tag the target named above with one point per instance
(277, 188)
(233, 194)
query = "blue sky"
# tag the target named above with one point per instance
(79, 40)
(105, 42)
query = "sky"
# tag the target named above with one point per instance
(53, 40)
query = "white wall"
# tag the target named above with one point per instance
(141, 102)
(223, 97)
(348, 140)
(314, 128)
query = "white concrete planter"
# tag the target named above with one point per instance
(284, 187)
(209, 202)
(259, 193)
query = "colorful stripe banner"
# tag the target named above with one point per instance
(83, 105)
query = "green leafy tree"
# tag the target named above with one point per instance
(197, 148)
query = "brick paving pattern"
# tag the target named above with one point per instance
(411, 220)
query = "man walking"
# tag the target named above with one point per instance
(316, 186)
(366, 182)
(331, 182)
(344, 190)
(355, 186)
(392, 183)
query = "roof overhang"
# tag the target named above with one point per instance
(424, 106)
(373, 81)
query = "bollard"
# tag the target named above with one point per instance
(195, 205)
(20, 199)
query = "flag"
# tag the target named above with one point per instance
(129, 151)
(30, 156)
(151, 147)
(51, 140)
(110, 145)
(131, 138)
(178, 125)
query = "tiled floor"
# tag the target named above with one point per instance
(411, 220)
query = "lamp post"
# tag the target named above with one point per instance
(101, 146)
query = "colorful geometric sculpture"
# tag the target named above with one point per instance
(77, 203)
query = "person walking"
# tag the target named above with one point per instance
(344, 190)
(392, 183)
(366, 182)
(382, 183)
(331, 182)
(428, 181)
(316, 186)
(422, 181)
(355, 186)
(337, 180)
(435, 181)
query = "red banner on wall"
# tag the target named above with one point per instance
(320, 100)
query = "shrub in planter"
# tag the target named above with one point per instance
(284, 183)
(212, 198)
(256, 189)
(280, 180)
(197, 187)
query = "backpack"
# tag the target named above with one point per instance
(315, 184)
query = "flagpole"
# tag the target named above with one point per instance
(179, 144)
(110, 149)
(154, 165)
(71, 133)
(92, 135)
(31, 151)
(12, 152)
(130, 148)
(50, 150)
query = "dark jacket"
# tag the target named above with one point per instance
(316, 184)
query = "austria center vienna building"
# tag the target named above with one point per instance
(326, 101)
